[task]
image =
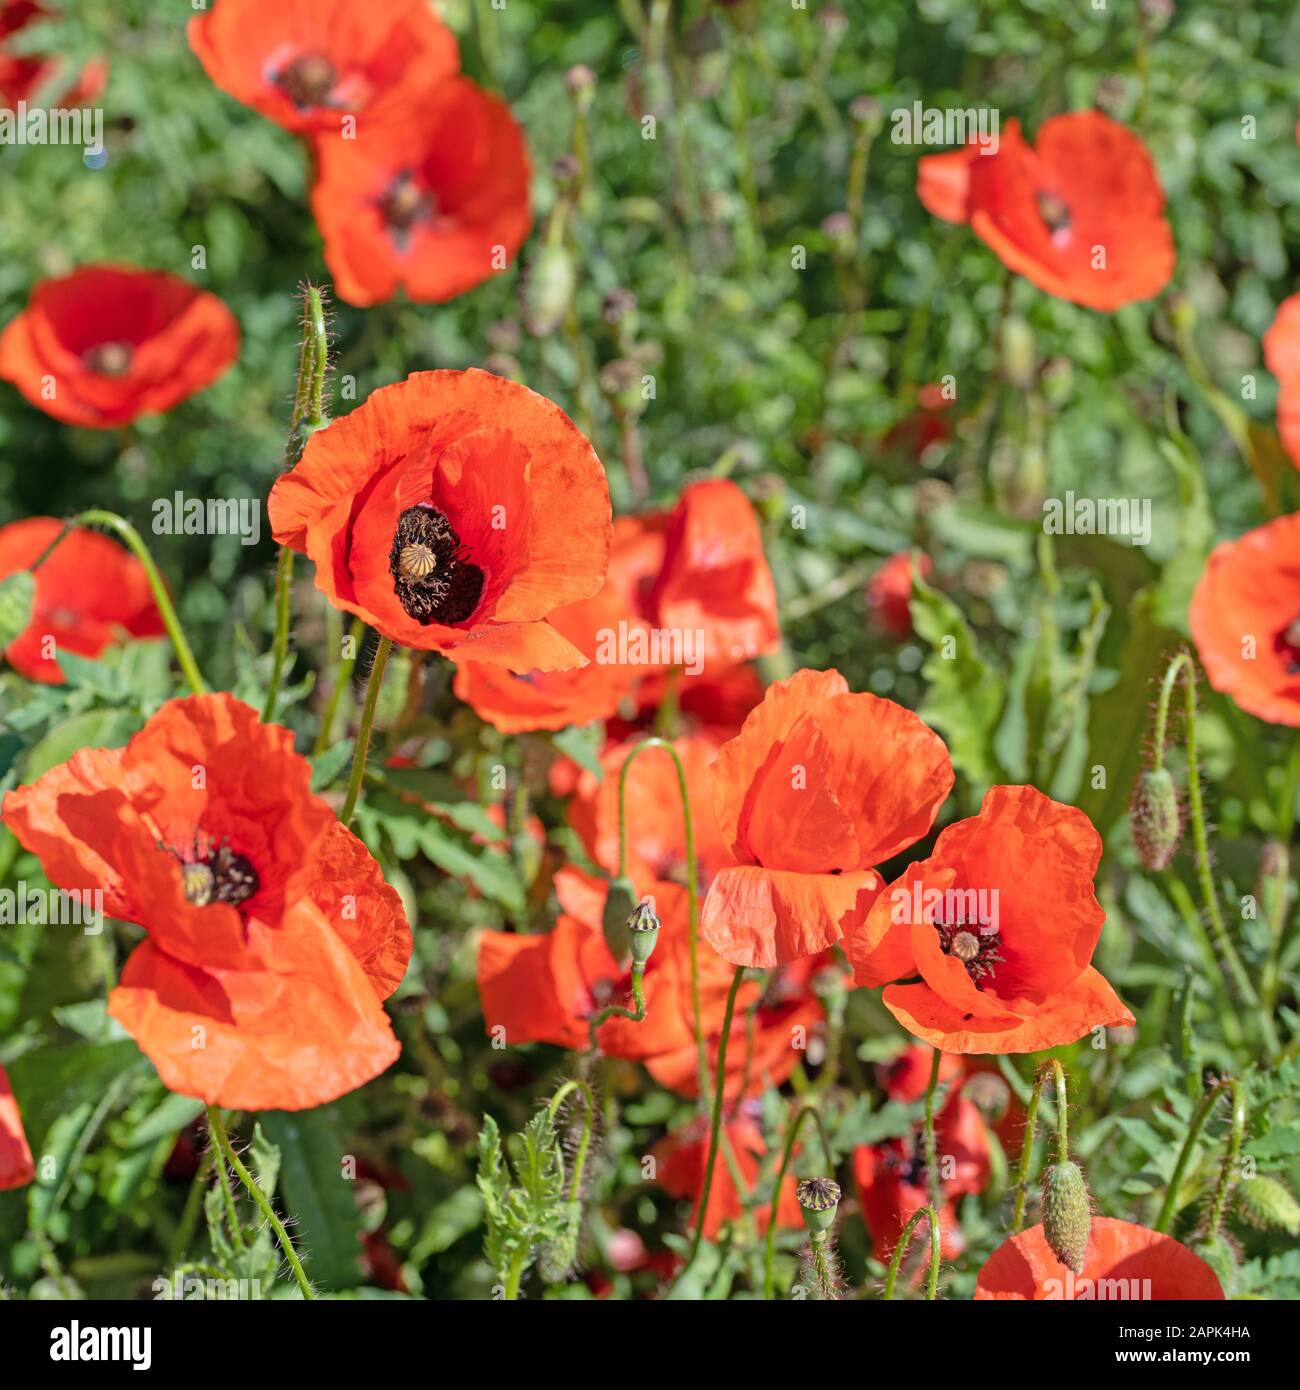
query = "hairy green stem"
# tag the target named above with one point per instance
(931, 1139)
(900, 1251)
(791, 1136)
(347, 664)
(588, 1126)
(1199, 1117)
(1054, 1069)
(362, 749)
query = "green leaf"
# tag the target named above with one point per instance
(17, 599)
(96, 728)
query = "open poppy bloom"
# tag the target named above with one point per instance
(1000, 923)
(546, 987)
(889, 593)
(819, 785)
(434, 205)
(16, 1167)
(271, 936)
(107, 343)
(454, 512)
(1123, 1261)
(1080, 214)
(1282, 354)
(309, 64)
(24, 75)
(71, 614)
(680, 1160)
(1245, 620)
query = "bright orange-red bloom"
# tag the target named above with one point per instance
(24, 75)
(108, 343)
(70, 613)
(889, 593)
(1000, 922)
(1282, 354)
(311, 65)
(1080, 214)
(680, 1160)
(455, 512)
(819, 786)
(1122, 1262)
(272, 937)
(16, 1167)
(546, 987)
(433, 205)
(1245, 620)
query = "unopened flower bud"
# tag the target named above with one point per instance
(1018, 352)
(1156, 818)
(620, 904)
(819, 1199)
(643, 927)
(1274, 882)
(1067, 1213)
(580, 82)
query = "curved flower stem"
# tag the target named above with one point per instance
(588, 1125)
(131, 537)
(931, 1139)
(367, 724)
(1050, 1068)
(1223, 942)
(1199, 1117)
(636, 1014)
(791, 1136)
(900, 1251)
(692, 887)
(716, 1125)
(218, 1129)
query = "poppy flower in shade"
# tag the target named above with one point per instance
(819, 785)
(889, 593)
(71, 614)
(680, 1160)
(1000, 923)
(1245, 620)
(454, 512)
(656, 829)
(271, 937)
(1080, 214)
(16, 1167)
(106, 344)
(978, 1079)
(1123, 1261)
(434, 205)
(308, 64)
(931, 422)
(1282, 354)
(546, 987)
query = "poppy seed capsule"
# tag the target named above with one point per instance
(644, 928)
(1067, 1213)
(1156, 818)
(819, 1199)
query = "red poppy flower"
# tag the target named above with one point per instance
(1282, 354)
(680, 1161)
(819, 786)
(1080, 214)
(107, 343)
(1122, 1262)
(930, 423)
(546, 987)
(271, 935)
(434, 205)
(16, 1167)
(1245, 620)
(1000, 922)
(889, 593)
(71, 614)
(453, 511)
(23, 75)
(309, 64)
(656, 829)
(976, 1078)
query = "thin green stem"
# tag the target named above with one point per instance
(931, 1139)
(791, 1136)
(131, 537)
(588, 1126)
(1231, 1160)
(193, 1206)
(692, 887)
(1054, 1069)
(636, 1013)
(900, 1251)
(362, 748)
(280, 642)
(515, 1273)
(218, 1129)
(347, 664)
(1199, 1117)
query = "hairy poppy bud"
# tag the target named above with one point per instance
(819, 1199)
(1156, 818)
(1274, 881)
(644, 927)
(1018, 356)
(547, 290)
(1067, 1213)
(1268, 1205)
(620, 904)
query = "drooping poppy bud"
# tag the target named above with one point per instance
(620, 904)
(1268, 1204)
(1067, 1213)
(1156, 818)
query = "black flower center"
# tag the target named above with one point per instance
(1287, 644)
(215, 873)
(109, 359)
(432, 579)
(1054, 211)
(975, 944)
(308, 80)
(404, 204)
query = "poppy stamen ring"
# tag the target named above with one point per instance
(432, 578)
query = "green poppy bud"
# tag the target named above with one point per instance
(1067, 1213)
(1156, 818)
